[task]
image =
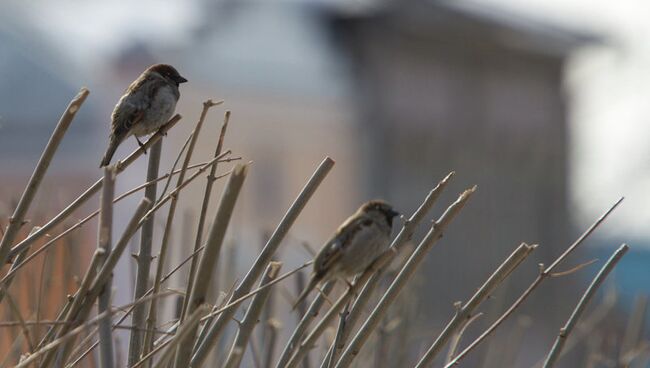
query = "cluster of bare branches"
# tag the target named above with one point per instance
(84, 329)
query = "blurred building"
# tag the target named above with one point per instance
(451, 86)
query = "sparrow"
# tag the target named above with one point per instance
(356, 244)
(146, 105)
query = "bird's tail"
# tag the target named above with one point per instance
(110, 151)
(313, 281)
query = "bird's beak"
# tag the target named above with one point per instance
(180, 80)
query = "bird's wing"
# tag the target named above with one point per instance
(334, 248)
(129, 110)
(132, 106)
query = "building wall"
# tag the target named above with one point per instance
(439, 100)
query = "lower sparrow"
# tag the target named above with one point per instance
(354, 246)
(147, 104)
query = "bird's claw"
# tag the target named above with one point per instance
(141, 145)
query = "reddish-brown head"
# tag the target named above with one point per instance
(381, 207)
(168, 72)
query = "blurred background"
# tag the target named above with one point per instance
(542, 104)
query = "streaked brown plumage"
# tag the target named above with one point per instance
(354, 246)
(146, 105)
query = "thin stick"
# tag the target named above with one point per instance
(586, 297)
(175, 192)
(104, 275)
(467, 311)
(53, 322)
(128, 313)
(251, 318)
(204, 210)
(162, 255)
(74, 332)
(10, 275)
(85, 196)
(23, 327)
(330, 358)
(234, 303)
(455, 340)
(544, 273)
(587, 325)
(13, 352)
(19, 265)
(180, 187)
(170, 174)
(41, 282)
(88, 292)
(143, 258)
(158, 348)
(274, 327)
(302, 309)
(307, 318)
(211, 254)
(231, 305)
(216, 329)
(184, 335)
(16, 220)
(72, 308)
(409, 227)
(104, 242)
(178, 158)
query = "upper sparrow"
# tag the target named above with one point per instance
(354, 246)
(147, 104)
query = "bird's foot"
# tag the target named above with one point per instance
(351, 288)
(325, 296)
(141, 145)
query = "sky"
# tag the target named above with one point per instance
(608, 84)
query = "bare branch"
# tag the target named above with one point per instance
(216, 329)
(104, 240)
(21, 322)
(455, 340)
(211, 255)
(251, 318)
(573, 269)
(4, 286)
(143, 259)
(18, 265)
(85, 196)
(185, 335)
(466, 311)
(204, 210)
(544, 273)
(303, 325)
(87, 293)
(72, 334)
(586, 297)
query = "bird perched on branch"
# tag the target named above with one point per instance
(147, 104)
(354, 246)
